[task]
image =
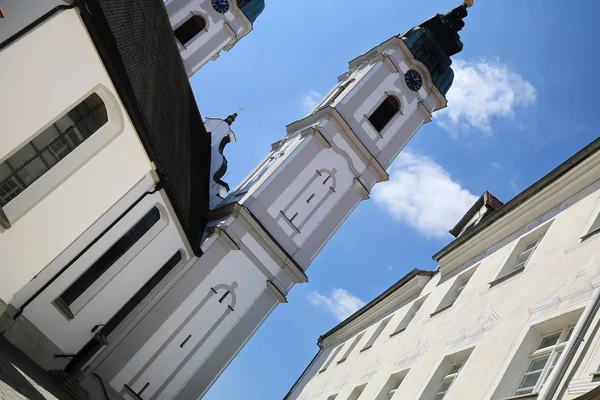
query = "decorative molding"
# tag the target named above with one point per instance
(582, 287)
(225, 238)
(413, 356)
(366, 376)
(425, 111)
(319, 135)
(275, 291)
(486, 320)
(361, 188)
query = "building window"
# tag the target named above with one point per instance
(355, 395)
(455, 291)
(543, 360)
(376, 334)
(100, 266)
(521, 255)
(410, 315)
(331, 358)
(332, 397)
(189, 29)
(448, 379)
(391, 386)
(352, 346)
(384, 113)
(49, 147)
(594, 228)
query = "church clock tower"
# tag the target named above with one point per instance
(263, 235)
(203, 28)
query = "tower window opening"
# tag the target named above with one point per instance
(384, 113)
(189, 29)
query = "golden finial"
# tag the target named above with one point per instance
(468, 3)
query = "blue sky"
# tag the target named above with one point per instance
(523, 101)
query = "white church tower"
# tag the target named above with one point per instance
(203, 28)
(264, 235)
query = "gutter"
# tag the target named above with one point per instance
(408, 277)
(521, 198)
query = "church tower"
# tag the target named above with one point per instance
(263, 235)
(203, 28)
(328, 162)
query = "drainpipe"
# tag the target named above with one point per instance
(578, 337)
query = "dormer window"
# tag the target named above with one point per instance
(384, 113)
(189, 29)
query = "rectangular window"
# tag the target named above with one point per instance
(376, 334)
(352, 346)
(49, 147)
(355, 395)
(332, 397)
(392, 385)
(106, 260)
(543, 361)
(455, 290)
(410, 315)
(594, 228)
(525, 255)
(331, 358)
(448, 379)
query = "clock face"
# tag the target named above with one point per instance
(413, 80)
(221, 6)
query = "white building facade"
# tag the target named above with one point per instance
(511, 312)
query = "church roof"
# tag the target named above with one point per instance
(135, 41)
(251, 8)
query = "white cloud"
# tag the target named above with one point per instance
(496, 165)
(482, 91)
(311, 99)
(423, 195)
(389, 267)
(340, 303)
(513, 186)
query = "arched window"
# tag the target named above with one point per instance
(384, 113)
(189, 29)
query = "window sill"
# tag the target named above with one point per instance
(522, 396)
(441, 310)
(341, 361)
(365, 349)
(595, 376)
(590, 234)
(397, 332)
(506, 277)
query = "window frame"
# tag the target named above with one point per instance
(331, 358)
(458, 286)
(410, 315)
(450, 377)
(193, 16)
(64, 168)
(378, 331)
(397, 112)
(594, 227)
(553, 353)
(352, 346)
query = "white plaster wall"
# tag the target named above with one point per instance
(559, 281)
(117, 285)
(221, 33)
(105, 167)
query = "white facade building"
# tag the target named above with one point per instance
(511, 312)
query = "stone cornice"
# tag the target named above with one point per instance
(546, 196)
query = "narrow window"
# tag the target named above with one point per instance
(376, 334)
(332, 397)
(384, 113)
(53, 144)
(331, 358)
(448, 379)
(357, 391)
(594, 228)
(352, 346)
(189, 29)
(392, 385)
(410, 315)
(455, 291)
(543, 361)
(525, 255)
(114, 253)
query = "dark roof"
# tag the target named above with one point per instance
(405, 279)
(593, 394)
(137, 45)
(491, 203)
(522, 197)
